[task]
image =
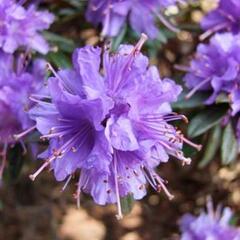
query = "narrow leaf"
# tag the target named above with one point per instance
(118, 40)
(229, 148)
(64, 44)
(59, 59)
(206, 119)
(162, 37)
(212, 146)
(197, 100)
(127, 204)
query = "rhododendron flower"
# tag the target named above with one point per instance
(21, 27)
(216, 68)
(17, 82)
(208, 225)
(224, 17)
(113, 14)
(109, 117)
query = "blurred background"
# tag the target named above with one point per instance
(39, 210)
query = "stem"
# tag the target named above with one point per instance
(22, 134)
(119, 215)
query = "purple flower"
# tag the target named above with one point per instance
(21, 27)
(216, 68)
(224, 17)
(113, 14)
(16, 85)
(209, 225)
(109, 118)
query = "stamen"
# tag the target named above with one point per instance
(168, 118)
(56, 128)
(181, 1)
(194, 90)
(67, 146)
(66, 183)
(175, 152)
(57, 134)
(184, 118)
(74, 149)
(21, 2)
(218, 212)
(159, 131)
(149, 180)
(212, 31)
(180, 156)
(39, 101)
(160, 181)
(49, 67)
(62, 150)
(23, 147)
(20, 135)
(229, 16)
(140, 43)
(166, 23)
(78, 194)
(82, 184)
(156, 182)
(149, 177)
(96, 7)
(33, 176)
(106, 23)
(210, 207)
(197, 146)
(119, 82)
(63, 80)
(119, 215)
(65, 120)
(182, 68)
(40, 96)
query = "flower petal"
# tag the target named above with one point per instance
(121, 135)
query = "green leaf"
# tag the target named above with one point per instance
(229, 149)
(75, 3)
(212, 146)
(15, 162)
(234, 221)
(197, 100)
(67, 12)
(118, 40)
(206, 119)
(127, 204)
(59, 59)
(162, 37)
(64, 44)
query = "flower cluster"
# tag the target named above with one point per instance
(17, 83)
(112, 15)
(212, 225)
(216, 68)
(109, 118)
(225, 17)
(20, 27)
(19, 78)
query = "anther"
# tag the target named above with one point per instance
(23, 134)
